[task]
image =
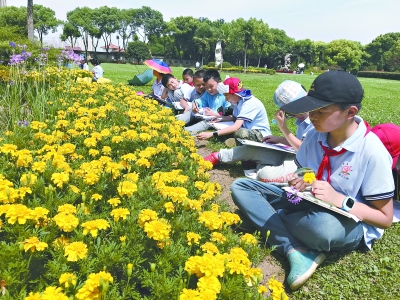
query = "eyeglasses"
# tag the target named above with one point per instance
(289, 115)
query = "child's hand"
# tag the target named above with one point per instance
(204, 135)
(280, 118)
(195, 107)
(324, 191)
(298, 183)
(215, 120)
(270, 139)
(209, 112)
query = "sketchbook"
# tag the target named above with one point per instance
(309, 197)
(221, 125)
(279, 147)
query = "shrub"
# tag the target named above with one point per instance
(378, 74)
(226, 64)
(211, 64)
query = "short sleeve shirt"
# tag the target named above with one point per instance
(98, 71)
(215, 102)
(182, 92)
(157, 87)
(303, 126)
(253, 113)
(363, 172)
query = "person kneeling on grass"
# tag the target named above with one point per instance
(272, 165)
(249, 115)
(354, 173)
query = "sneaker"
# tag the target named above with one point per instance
(302, 266)
(231, 142)
(213, 158)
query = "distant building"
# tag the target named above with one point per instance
(3, 3)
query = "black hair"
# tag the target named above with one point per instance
(344, 106)
(95, 62)
(188, 72)
(166, 78)
(212, 74)
(199, 74)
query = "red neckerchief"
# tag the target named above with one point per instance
(325, 163)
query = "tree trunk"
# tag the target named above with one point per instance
(30, 20)
(259, 59)
(245, 60)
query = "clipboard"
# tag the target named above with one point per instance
(306, 195)
(279, 147)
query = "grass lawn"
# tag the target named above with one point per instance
(356, 275)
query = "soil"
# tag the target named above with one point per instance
(225, 175)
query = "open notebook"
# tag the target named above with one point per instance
(306, 195)
(221, 125)
(279, 147)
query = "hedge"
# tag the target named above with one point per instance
(378, 74)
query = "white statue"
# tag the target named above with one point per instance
(218, 54)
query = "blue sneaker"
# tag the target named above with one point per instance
(302, 266)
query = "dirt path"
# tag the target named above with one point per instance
(225, 175)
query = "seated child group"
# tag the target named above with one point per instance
(353, 167)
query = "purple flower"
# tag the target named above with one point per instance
(16, 59)
(12, 82)
(292, 197)
(23, 123)
(12, 44)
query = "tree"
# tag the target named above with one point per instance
(128, 24)
(202, 37)
(70, 34)
(81, 19)
(281, 45)
(346, 54)
(138, 50)
(30, 20)
(14, 17)
(183, 30)
(151, 23)
(377, 48)
(304, 51)
(44, 19)
(392, 57)
(262, 40)
(319, 52)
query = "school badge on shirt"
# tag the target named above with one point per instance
(346, 169)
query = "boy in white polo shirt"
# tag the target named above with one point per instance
(249, 115)
(353, 173)
(176, 90)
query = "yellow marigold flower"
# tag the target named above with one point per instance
(143, 162)
(33, 296)
(106, 150)
(218, 237)
(114, 201)
(209, 283)
(33, 244)
(105, 132)
(249, 239)
(52, 293)
(193, 238)
(206, 265)
(62, 241)
(66, 222)
(158, 230)
(309, 177)
(60, 178)
(8, 133)
(67, 279)
(24, 158)
(8, 148)
(253, 276)
(122, 239)
(74, 189)
(145, 137)
(211, 220)
(37, 125)
(209, 248)
(134, 177)
(96, 197)
(93, 226)
(28, 179)
(169, 207)
(262, 289)
(95, 286)
(146, 215)
(75, 251)
(188, 294)
(17, 212)
(215, 207)
(23, 191)
(67, 209)
(127, 188)
(90, 142)
(94, 152)
(117, 139)
(91, 178)
(229, 218)
(67, 148)
(119, 213)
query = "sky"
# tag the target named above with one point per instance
(318, 20)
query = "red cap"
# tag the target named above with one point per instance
(235, 85)
(389, 135)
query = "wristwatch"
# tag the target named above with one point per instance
(215, 134)
(348, 203)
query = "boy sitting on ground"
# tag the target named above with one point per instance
(249, 115)
(353, 174)
(176, 90)
(211, 102)
(272, 165)
(187, 76)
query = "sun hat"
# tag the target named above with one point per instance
(328, 88)
(287, 92)
(389, 134)
(158, 65)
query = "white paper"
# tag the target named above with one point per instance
(221, 125)
(279, 147)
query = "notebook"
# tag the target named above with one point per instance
(221, 125)
(279, 147)
(306, 195)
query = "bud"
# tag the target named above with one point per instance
(130, 268)
(267, 234)
(83, 196)
(152, 267)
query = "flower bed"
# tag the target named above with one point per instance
(107, 198)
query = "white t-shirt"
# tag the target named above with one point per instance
(98, 71)
(363, 172)
(184, 91)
